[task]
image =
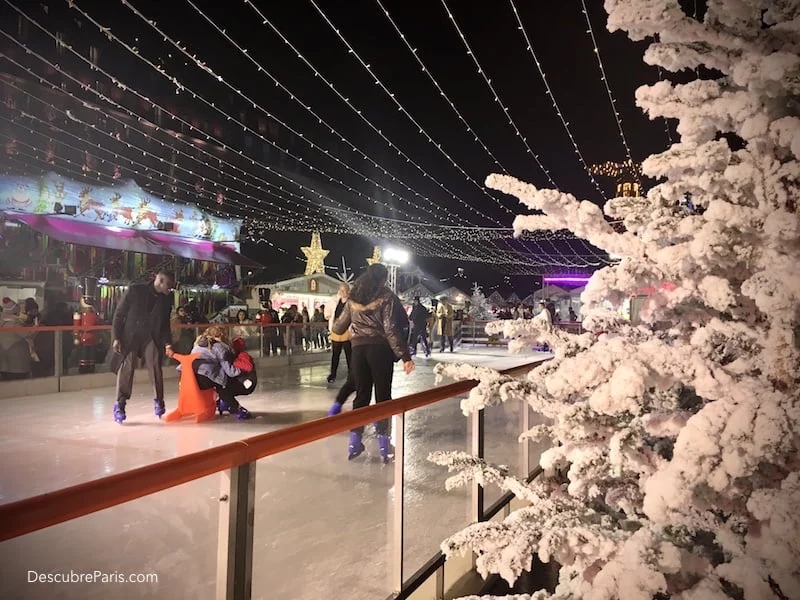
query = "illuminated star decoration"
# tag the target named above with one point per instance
(315, 255)
(376, 256)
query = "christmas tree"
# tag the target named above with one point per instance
(674, 470)
(478, 307)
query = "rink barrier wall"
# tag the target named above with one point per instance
(45, 510)
(467, 333)
(236, 463)
(294, 355)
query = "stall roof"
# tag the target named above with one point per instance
(66, 229)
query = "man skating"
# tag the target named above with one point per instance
(141, 326)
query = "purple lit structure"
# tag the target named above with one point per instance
(581, 279)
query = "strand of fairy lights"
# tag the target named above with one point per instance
(78, 172)
(190, 186)
(316, 72)
(107, 34)
(82, 85)
(603, 77)
(442, 93)
(164, 110)
(261, 69)
(186, 186)
(417, 246)
(459, 231)
(173, 135)
(497, 99)
(449, 251)
(666, 121)
(549, 91)
(182, 87)
(313, 205)
(202, 65)
(266, 21)
(438, 146)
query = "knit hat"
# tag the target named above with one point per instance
(9, 306)
(238, 345)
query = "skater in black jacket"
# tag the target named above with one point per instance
(141, 326)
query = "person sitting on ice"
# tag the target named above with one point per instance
(215, 370)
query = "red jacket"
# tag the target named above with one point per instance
(243, 360)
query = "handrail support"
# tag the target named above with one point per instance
(398, 520)
(236, 524)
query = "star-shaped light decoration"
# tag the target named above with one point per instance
(376, 256)
(315, 255)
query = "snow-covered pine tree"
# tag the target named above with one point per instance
(679, 437)
(478, 307)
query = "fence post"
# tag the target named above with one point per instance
(477, 442)
(398, 520)
(235, 542)
(58, 356)
(525, 445)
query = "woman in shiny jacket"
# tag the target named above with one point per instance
(377, 344)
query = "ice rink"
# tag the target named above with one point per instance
(322, 523)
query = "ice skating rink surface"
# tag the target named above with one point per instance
(322, 527)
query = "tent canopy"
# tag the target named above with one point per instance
(550, 292)
(71, 231)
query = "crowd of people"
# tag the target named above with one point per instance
(520, 311)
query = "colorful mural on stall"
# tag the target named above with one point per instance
(125, 205)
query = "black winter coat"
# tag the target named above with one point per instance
(142, 315)
(375, 323)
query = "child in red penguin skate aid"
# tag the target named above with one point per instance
(245, 383)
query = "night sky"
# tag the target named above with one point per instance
(557, 30)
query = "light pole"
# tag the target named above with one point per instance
(393, 258)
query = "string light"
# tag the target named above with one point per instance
(549, 91)
(73, 118)
(174, 180)
(180, 86)
(350, 212)
(402, 109)
(308, 108)
(85, 87)
(488, 81)
(200, 12)
(625, 170)
(442, 93)
(666, 121)
(611, 99)
(76, 171)
(497, 99)
(388, 228)
(358, 112)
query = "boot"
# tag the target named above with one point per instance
(119, 412)
(355, 448)
(222, 407)
(336, 408)
(386, 448)
(243, 414)
(158, 407)
(331, 378)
